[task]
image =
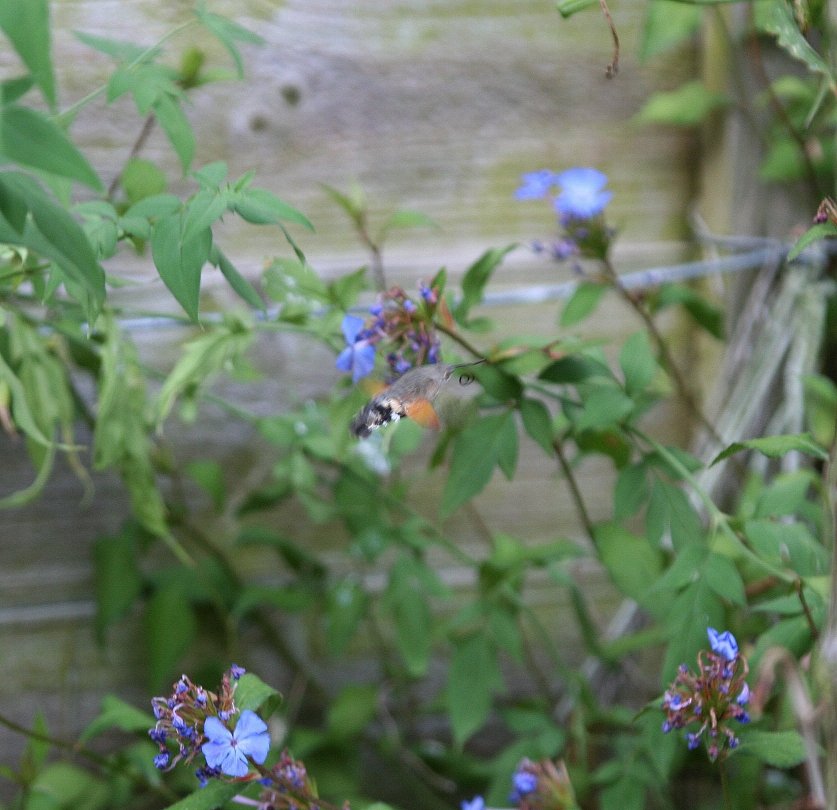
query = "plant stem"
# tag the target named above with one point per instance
(575, 490)
(668, 361)
(725, 785)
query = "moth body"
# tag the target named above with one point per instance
(411, 395)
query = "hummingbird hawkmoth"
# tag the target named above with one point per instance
(411, 395)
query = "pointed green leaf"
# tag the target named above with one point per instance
(776, 447)
(476, 451)
(475, 279)
(180, 262)
(26, 24)
(178, 130)
(31, 139)
(473, 678)
(822, 230)
(262, 207)
(582, 302)
(170, 629)
(254, 694)
(228, 34)
(781, 749)
(687, 106)
(118, 579)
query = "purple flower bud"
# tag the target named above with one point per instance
(666, 727)
(409, 306)
(724, 644)
(692, 741)
(524, 782)
(744, 696)
(161, 761)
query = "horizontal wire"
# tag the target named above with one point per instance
(773, 251)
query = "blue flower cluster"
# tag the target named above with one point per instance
(234, 745)
(713, 697)
(396, 318)
(579, 197)
(192, 718)
(536, 786)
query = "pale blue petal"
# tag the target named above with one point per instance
(216, 731)
(351, 326)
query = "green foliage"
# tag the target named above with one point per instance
(389, 591)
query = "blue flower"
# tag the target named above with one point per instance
(743, 696)
(161, 761)
(359, 355)
(583, 194)
(228, 750)
(536, 185)
(477, 803)
(236, 671)
(524, 782)
(724, 644)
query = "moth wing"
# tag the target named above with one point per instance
(423, 412)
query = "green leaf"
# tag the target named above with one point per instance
(254, 694)
(140, 179)
(262, 207)
(116, 713)
(781, 749)
(537, 423)
(670, 511)
(775, 447)
(820, 407)
(216, 794)
(13, 89)
(23, 415)
(228, 34)
(775, 17)
(604, 406)
(26, 24)
(208, 353)
(475, 453)
(566, 8)
(117, 49)
(180, 262)
(695, 608)
(209, 476)
(687, 106)
(582, 302)
(472, 680)
(667, 24)
(347, 604)
(639, 366)
(410, 612)
(55, 235)
(351, 712)
(574, 368)
(177, 128)
(406, 219)
(705, 313)
(118, 579)
(822, 230)
(631, 562)
(63, 785)
(723, 578)
(631, 491)
(31, 139)
(170, 629)
(475, 279)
